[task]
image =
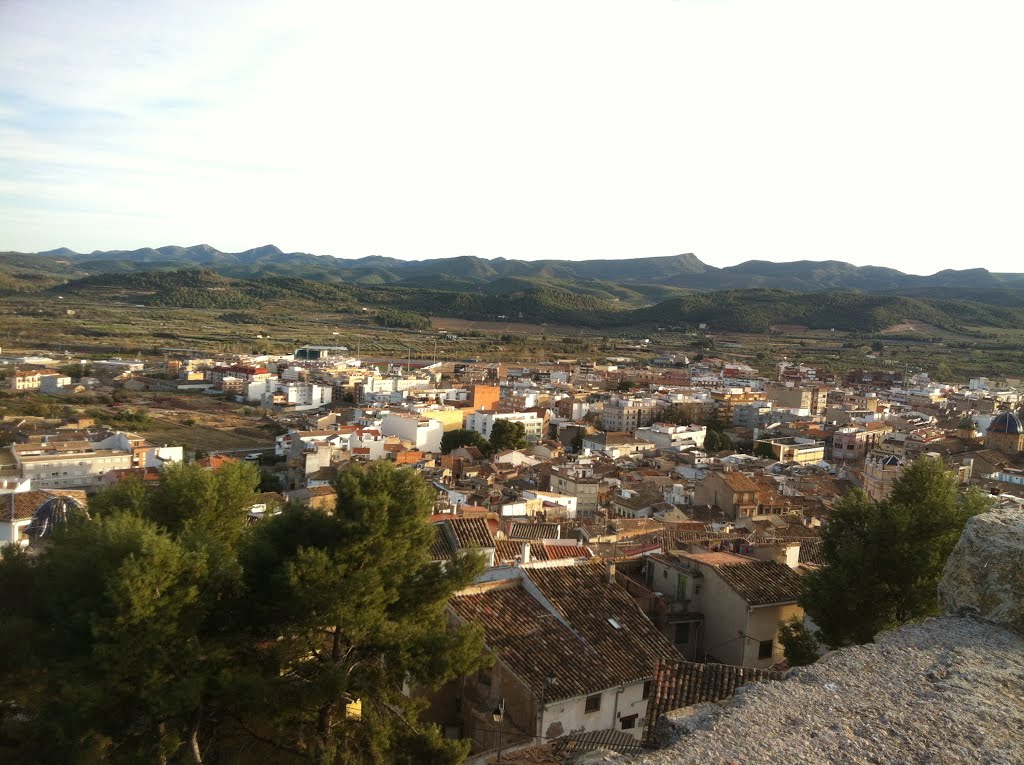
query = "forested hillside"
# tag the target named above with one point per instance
(752, 310)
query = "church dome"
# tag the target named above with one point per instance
(52, 513)
(1006, 422)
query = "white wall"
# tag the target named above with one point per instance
(425, 434)
(616, 703)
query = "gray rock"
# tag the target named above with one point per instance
(984, 575)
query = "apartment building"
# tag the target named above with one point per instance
(814, 398)
(81, 460)
(483, 422)
(577, 479)
(665, 436)
(627, 414)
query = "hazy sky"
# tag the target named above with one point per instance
(887, 133)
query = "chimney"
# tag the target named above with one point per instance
(526, 552)
(611, 572)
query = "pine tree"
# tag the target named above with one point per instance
(351, 609)
(506, 434)
(104, 626)
(883, 560)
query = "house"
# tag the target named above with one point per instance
(80, 459)
(577, 479)
(561, 505)
(573, 653)
(793, 449)
(457, 536)
(540, 553)
(666, 436)
(616, 445)
(483, 421)
(423, 433)
(318, 498)
(730, 490)
(741, 601)
(26, 380)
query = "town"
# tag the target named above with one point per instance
(645, 526)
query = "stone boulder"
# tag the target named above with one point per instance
(984, 575)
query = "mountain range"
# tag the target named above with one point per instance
(468, 272)
(679, 290)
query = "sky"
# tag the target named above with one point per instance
(880, 133)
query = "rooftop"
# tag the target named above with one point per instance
(679, 683)
(590, 633)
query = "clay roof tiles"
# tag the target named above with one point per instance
(596, 636)
(680, 683)
(471, 532)
(761, 582)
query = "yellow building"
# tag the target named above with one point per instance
(451, 418)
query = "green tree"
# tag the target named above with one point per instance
(799, 643)
(101, 628)
(625, 386)
(712, 441)
(884, 559)
(76, 371)
(724, 441)
(455, 439)
(681, 414)
(763, 450)
(214, 502)
(506, 434)
(127, 496)
(326, 651)
(270, 481)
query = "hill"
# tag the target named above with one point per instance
(754, 310)
(467, 272)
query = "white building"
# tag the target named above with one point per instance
(565, 501)
(483, 422)
(423, 433)
(57, 463)
(665, 436)
(304, 395)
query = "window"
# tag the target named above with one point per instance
(647, 690)
(682, 633)
(593, 704)
(765, 649)
(484, 676)
(628, 722)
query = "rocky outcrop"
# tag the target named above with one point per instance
(949, 690)
(984, 575)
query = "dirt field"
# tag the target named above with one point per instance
(511, 327)
(200, 436)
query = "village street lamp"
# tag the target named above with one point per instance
(498, 715)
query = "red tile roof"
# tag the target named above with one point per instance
(679, 683)
(21, 505)
(761, 582)
(577, 641)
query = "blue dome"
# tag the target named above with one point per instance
(1006, 422)
(52, 513)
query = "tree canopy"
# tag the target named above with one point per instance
(455, 439)
(883, 560)
(168, 630)
(506, 434)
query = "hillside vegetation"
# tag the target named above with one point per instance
(748, 310)
(467, 272)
